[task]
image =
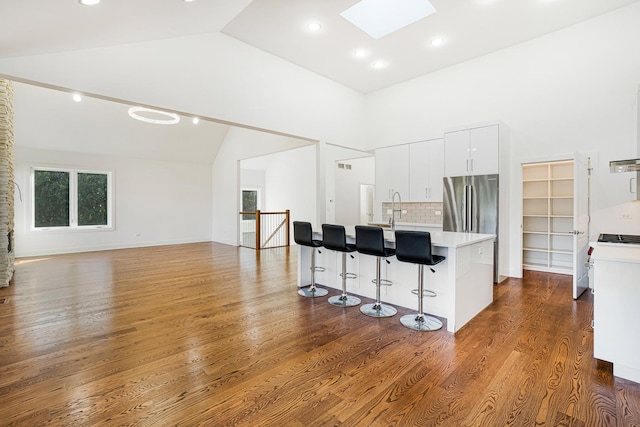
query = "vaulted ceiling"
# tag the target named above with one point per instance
(468, 28)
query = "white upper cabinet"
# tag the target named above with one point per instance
(426, 170)
(392, 172)
(472, 151)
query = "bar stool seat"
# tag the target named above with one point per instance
(334, 238)
(415, 247)
(303, 235)
(370, 241)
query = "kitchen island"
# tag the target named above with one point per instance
(463, 281)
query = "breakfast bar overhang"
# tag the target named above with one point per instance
(463, 282)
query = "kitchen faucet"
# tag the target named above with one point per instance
(392, 220)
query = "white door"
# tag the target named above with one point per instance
(580, 223)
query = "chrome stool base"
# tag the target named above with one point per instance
(419, 322)
(313, 292)
(344, 300)
(378, 310)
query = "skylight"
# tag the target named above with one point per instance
(379, 18)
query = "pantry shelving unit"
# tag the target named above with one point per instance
(547, 223)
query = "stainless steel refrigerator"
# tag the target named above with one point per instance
(471, 206)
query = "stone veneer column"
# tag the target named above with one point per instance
(7, 254)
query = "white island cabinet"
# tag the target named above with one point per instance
(616, 308)
(463, 281)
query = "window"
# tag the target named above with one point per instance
(71, 199)
(249, 203)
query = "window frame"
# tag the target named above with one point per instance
(73, 200)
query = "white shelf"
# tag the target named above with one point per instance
(547, 190)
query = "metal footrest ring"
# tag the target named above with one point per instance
(350, 275)
(383, 282)
(425, 293)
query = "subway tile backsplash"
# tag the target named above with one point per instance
(424, 213)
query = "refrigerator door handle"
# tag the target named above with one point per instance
(470, 210)
(464, 208)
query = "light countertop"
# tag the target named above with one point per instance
(446, 239)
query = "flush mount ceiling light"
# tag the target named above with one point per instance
(171, 119)
(379, 64)
(361, 53)
(381, 17)
(88, 2)
(313, 26)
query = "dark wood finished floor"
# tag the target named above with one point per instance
(208, 334)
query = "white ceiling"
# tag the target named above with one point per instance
(471, 28)
(50, 120)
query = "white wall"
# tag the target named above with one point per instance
(156, 203)
(291, 183)
(331, 153)
(572, 90)
(252, 179)
(209, 75)
(239, 144)
(347, 188)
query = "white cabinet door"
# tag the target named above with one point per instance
(483, 150)
(418, 172)
(426, 169)
(436, 169)
(392, 172)
(456, 153)
(472, 151)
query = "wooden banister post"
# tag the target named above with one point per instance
(287, 219)
(258, 230)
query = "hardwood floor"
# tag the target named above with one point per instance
(208, 334)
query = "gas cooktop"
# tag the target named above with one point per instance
(619, 238)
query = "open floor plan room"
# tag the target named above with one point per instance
(210, 334)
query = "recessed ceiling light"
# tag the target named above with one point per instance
(361, 53)
(187, 1)
(381, 17)
(438, 41)
(379, 64)
(313, 26)
(195, 119)
(171, 120)
(77, 97)
(88, 2)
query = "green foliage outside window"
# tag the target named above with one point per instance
(53, 203)
(51, 198)
(249, 203)
(92, 199)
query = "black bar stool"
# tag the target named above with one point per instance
(415, 247)
(370, 241)
(303, 235)
(335, 239)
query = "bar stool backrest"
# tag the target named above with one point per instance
(302, 233)
(370, 240)
(334, 237)
(414, 247)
